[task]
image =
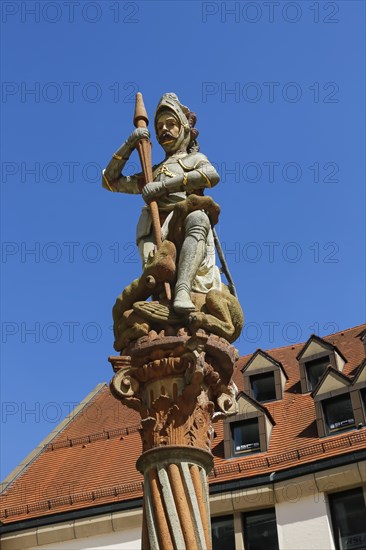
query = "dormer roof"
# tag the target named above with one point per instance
(316, 345)
(331, 380)
(253, 404)
(259, 360)
(360, 375)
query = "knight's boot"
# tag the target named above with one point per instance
(197, 226)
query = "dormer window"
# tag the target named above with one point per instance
(245, 436)
(263, 386)
(315, 370)
(249, 431)
(314, 358)
(338, 413)
(337, 403)
(264, 378)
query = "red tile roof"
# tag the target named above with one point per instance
(92, 460)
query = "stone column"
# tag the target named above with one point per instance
(178, 384)
(176, 511)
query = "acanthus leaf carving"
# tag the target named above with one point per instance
(177, 388)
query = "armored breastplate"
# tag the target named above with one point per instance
(176, 165)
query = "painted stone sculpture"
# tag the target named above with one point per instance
(174, 326)
(186, 219)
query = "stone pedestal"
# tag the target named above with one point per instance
(178, 384)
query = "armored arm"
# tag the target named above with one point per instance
(112, 178)
(203, 175)
(198, 173)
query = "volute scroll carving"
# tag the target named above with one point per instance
(176, 394)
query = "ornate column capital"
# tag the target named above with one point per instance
(178, 384)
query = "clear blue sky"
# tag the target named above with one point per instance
(278, 88)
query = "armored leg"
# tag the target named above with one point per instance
(197, 226)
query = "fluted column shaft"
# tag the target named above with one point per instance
(176, 510)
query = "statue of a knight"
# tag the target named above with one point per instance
(183, 172)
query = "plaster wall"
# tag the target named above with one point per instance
(129, 539)
(304, 524)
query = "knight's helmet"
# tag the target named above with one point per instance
(170, 101)
(186, 117)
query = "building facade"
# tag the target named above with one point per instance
(289, 469)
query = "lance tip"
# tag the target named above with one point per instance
(140, 117)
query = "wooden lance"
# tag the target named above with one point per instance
(141, 120)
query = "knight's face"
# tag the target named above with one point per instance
(167, 127)
(168, 131)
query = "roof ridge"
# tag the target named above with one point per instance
(91, 438)
(290, 346)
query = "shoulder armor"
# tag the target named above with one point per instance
(193, 161)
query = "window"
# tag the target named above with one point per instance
(260, 530)
(222, 531)
(314, 358)
(363, 398)
(263, 386)
(250, 430)
(264, 377)
(338, 413)
(348, 513)
(315, 370)
(245, 436)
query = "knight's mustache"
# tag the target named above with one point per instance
(167, 136)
